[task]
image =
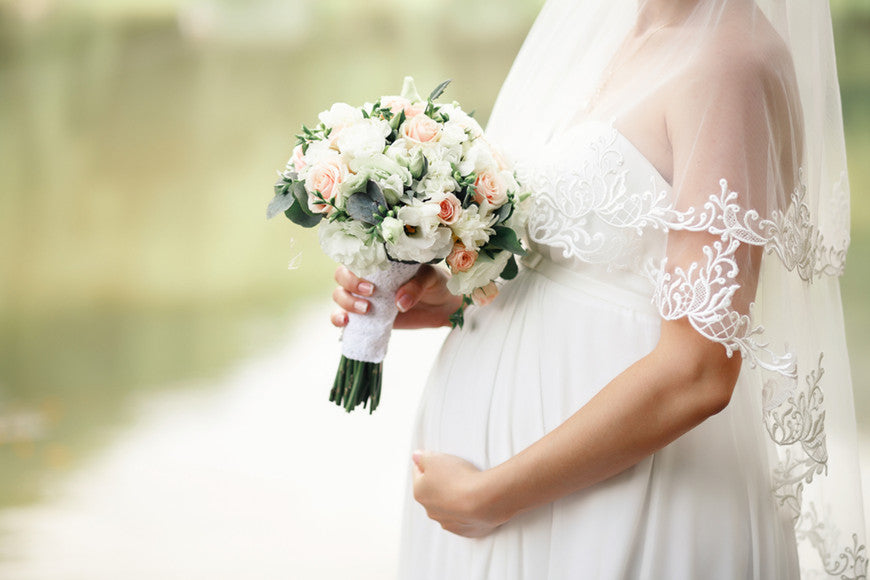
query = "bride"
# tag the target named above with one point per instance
(663, 391)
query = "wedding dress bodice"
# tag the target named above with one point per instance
(598, 207)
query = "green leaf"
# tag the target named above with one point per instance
(397, 120)
(302, 217)
(504, 238)
(280, 203)
(300, 194)
(510, 269)
(362, 208)
(374, 193)
(282, 186)
(439, 90)
(504, 212)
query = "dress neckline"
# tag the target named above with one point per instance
(611, 126)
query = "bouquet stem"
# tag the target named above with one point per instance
(357, 383)
(364, 342)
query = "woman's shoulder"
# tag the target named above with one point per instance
(737, 70)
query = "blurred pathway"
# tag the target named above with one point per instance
(256, 478)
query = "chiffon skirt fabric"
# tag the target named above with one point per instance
(699, 508)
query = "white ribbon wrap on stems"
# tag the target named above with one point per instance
(366, 336)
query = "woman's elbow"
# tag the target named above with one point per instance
(703, 367)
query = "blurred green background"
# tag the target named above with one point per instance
(139, 141)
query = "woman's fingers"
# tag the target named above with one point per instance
(349, 302)
(352, 283)
(409, 294)
(338, 318)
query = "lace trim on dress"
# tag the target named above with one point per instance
(588, 212)
(590, 215)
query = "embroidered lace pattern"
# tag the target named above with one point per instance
(587, 211)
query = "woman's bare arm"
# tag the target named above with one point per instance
(684, 380)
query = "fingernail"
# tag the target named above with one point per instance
(404, 303)
(361, 306)
(415, 457)
(365, 288)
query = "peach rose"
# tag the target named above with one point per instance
(397, 104)
(325, 177)
(421, 128)
(298, 158)
(491, 187)
(485, 295)
(461, 259)
(450, 208)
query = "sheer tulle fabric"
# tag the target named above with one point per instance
(744, 234)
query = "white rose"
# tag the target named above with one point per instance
(463, 119)
(422, 238)
(473, 228)
(478, 157)
(453, 134)
(484, 271)
(346, 243)
(364, 139)
(339, 116)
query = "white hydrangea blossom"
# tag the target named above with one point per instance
(473, 228)
(345, 242)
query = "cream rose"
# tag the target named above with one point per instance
(297, 159)
(421, 129)
(461, 259)
(325, 178)
(490, 186)
(397, 104)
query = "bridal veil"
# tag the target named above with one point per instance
(758, 223)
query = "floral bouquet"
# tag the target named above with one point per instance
(395, 184)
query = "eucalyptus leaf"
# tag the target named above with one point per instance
(362, 208)
(439, 90)
(374, 193)
(302, 217)
(300, 194)
(280, 203)
(281, 187)
(504, 238)
(504, 212)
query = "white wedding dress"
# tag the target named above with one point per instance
(578, 314)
